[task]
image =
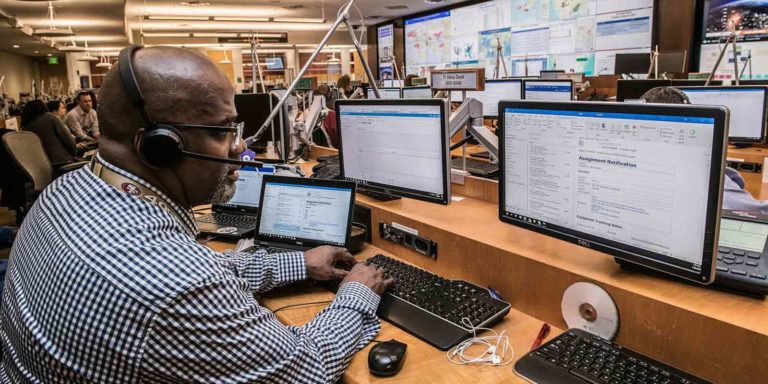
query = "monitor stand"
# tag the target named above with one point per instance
(742, 145)
(380, 196)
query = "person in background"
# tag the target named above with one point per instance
(32, 110)
(58, 108)
(58, 142)
(735, 197)
(344, 86)
(82, 120)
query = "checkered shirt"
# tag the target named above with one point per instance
(105, 287)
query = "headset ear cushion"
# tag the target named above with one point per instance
(162, 146)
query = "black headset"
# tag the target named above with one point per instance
(162, 144)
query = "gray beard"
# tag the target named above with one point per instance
(225, 190)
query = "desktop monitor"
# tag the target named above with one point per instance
(385, 93)
(424, 92)
(253, 109)
(550, 74)
(495, 91)
(693, 82)
(548, 90)
(747, 105)
(396, 147)
(393, 83)
(275, 64)
(635, 89)
(640, 182)
(627, 63)
(672, 62)
(751, 82)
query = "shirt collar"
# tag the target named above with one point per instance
(180, 214)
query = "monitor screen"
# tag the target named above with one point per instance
(393, 83)
(386, 93)
(417, 93)
(635, 89)
(641, 182)
(627, 63)
(309, 211)
(275, 63)
(248, 187)
(253, 110)
(399, 147)
(747, 105)
(548, 90)
(495, 91)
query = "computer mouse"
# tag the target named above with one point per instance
(386, 358)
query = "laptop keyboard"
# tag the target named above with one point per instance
(269, 250)
(228, 219)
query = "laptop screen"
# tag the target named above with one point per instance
(248, 190)
(309, 212)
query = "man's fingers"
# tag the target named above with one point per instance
(388, 283)
(342, 255)
(339, 273)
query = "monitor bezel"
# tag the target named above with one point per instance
(764, 88)
(533, 81)
(486, 88)
(306, 181)
(394, 190)
(402, 91)
(615, 249)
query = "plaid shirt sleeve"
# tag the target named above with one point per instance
(217, 332)
(265, 271)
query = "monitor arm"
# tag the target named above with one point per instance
(470, 114)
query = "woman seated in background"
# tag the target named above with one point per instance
(58, 142)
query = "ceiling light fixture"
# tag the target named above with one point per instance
(307, 20)
(195, 3)
(52, 30)
(211, 34)
(16, 46)
(72, 48)
(242, 19)
(175, 18)
(87, 56)
(103, 62)
(226, 59)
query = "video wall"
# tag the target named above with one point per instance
(530, 35)
(750, 20)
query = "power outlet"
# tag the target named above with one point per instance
(408, 239)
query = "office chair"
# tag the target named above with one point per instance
(26, 150)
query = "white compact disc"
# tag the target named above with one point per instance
(587, 306)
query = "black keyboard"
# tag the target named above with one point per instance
(256, 248)
(431, 307)
(476, 167)
(742, 271)
(228, 219)
(577, 356)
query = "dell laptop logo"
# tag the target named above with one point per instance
(584, 243)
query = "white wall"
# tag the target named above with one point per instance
(19, 72)
(75, 69)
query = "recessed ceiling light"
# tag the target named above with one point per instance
(49, 55)
(434, 1)
(37, 51)
(195, 3)
(16, 46)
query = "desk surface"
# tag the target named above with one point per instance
(423, 363)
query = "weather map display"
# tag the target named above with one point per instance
(531, 35)
(749, 19)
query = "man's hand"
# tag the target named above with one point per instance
(371, 276)
(81, 145)
(322, 262)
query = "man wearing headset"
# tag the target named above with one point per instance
(107, 284)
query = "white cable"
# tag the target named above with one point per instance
(498, 346)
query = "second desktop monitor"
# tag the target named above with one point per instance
(396, 147)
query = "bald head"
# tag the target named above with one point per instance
(179, 86)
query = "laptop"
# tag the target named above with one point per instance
(298, 214)
(239, 215)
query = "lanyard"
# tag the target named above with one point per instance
(131, 187)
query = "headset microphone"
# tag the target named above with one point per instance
(244, 163)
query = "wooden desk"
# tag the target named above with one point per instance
(423, 363)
